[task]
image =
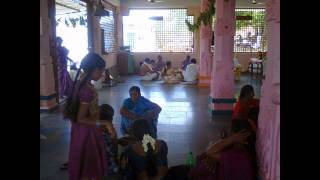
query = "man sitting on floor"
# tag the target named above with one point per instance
(190, 75)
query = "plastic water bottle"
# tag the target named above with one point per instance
(190, 160)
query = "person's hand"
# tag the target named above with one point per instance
(240, 137)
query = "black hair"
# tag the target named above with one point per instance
(135, 88)
(147, 60)
(238, 125)
(245, 90)
(58, 38)
(139, 129)
(168, 63)
(254, 114)
(88, 64)
(106, 112)
(188, 56)
(193, 60)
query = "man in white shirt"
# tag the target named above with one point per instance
(191, 72)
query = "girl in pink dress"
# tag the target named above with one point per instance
(87, 155)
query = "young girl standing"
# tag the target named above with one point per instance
(87, 148)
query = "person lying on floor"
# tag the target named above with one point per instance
(171, 75)
(147, 72)
(190, 75)
(229, 158)
(145, 159)
(138, 107)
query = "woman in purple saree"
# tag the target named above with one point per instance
(228, 159)
(87, 153)
(64, 80)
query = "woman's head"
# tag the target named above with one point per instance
(93, 66)
(134, 92)
(59, 41)
(246, 92)
(194, 61)
(140, 128)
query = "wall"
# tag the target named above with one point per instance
(111, 58)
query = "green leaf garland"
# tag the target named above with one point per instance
(204, 17)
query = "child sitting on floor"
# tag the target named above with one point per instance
(106, 114)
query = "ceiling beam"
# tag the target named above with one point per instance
(69, 7)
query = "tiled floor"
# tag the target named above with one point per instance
(184, 122)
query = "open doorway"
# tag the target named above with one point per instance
(71, 26)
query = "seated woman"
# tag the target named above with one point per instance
(171, 75)
(146, 71)
(185, 63)
(228, 158)
(146, 159)
(245, 102)
(138, 107)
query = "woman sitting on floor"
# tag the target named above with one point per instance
(228, 158)
(245, 102)
(146, 159)
(170, 75)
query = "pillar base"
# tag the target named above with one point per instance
(204, 81)
(221, 106)
(48, 103)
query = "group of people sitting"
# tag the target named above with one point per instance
(94, 143)
(151, 70)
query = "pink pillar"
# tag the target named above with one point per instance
(205, 50)
(47, 83)
(222, 76)
(268, 135)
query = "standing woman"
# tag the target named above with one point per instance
(87, 149)
(64, 80)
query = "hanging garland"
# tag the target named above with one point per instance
(204, 17)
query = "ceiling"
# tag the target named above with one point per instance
(74, 6)
(184, 3)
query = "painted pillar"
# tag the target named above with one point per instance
(205, 50)
(48, 93)
(222, 76)
(268, 134)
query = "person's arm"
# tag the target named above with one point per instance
(126, 113)
(240, 137)
(154, 110)
(91, 120)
